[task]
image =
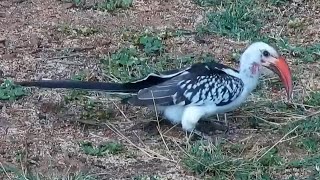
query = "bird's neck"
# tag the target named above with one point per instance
(249, 74)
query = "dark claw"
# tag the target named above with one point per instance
(210, 127)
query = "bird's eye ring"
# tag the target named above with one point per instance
(266, 53)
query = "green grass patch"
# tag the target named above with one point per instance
(103, 149)
(76, 95)
(306, 127)
(112, 5)
(206, 3)
(226, 161)
(77, 3)
(305, 162)
(151, 45)
(272, 158)
(310, 162)
(132, 63)
(242, 20)
(311, 144)
(239, 20)
(102, 5)
(146, 53)
(126, 64)
(77, 31)
(277, 2)
(10, 91)
(218, 162)
(309, 53)
(93, 111)
(146, 177)
(167, 62)
(307, 133)
(27, 174)
(313, 99)
(271, 111)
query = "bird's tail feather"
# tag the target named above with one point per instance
(129, 87)
(84, 85)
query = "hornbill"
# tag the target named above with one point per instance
(187, 95)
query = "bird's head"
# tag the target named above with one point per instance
(261, 54)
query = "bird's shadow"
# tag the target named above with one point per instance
(206, 126)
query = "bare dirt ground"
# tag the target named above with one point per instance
(45, 129)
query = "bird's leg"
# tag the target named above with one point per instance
(225, 119)
(229, 128)
(190, 117)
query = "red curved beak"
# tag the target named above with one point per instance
(281, 68)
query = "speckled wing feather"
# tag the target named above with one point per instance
(200, 84)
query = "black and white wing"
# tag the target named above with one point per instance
(151, 79)
(200, 84)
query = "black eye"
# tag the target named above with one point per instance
(266, 53)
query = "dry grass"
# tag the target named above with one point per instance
(41, 133)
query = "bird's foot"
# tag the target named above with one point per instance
(202, 135)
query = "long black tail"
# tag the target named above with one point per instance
(130, 87)
(84, 85)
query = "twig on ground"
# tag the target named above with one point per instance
(278, 142)
(74, 49)
(148, 152)
(158, 127)
(123, 114)
(268, 122)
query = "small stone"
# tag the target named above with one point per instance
(69, 5)
(2, 42)
(2, 14)
(1, 76)
(19, 1)
(104, 42)
(9, 56)
(35, 41)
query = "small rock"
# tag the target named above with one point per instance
(35, 41)
(9, 56)
(2, 42)
(2, 14)
(69, 5)
(1, 76)
(106, 42)
(4, 125)
(19, 1)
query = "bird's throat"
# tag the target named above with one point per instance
(250, 76)
(255, 69)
